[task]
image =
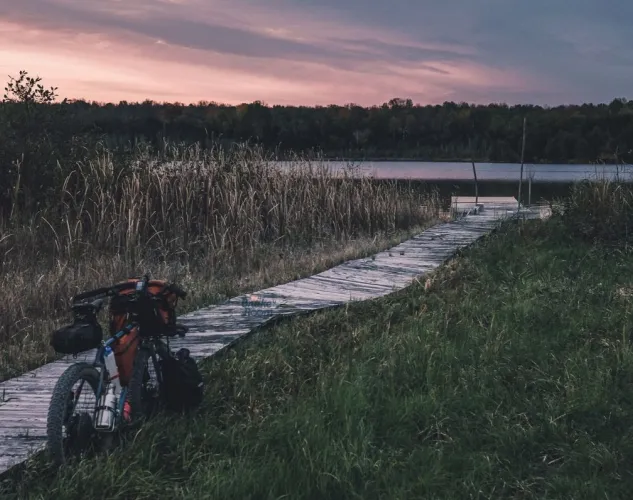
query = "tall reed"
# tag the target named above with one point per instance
(212, 219)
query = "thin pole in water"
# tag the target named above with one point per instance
(530, 189)
(522, 158)
(476, 185)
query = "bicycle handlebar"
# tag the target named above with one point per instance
(113, 290)
(178, 291)
(95, 304)
(92, 293)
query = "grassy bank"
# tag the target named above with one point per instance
(508, 376)
(221, 222)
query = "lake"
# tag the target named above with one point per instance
(486, 171)
(463, 171)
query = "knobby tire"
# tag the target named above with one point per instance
(59, 405)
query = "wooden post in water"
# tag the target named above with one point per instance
(522, 158)
(476, 185)
(530, 189)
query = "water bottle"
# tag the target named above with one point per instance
(107, 412)
(108, 401)
(113, 370)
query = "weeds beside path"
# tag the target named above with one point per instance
(509, 377)
(218, 222)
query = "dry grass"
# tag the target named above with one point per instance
(219, 222)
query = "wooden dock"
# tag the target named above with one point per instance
(24, 399)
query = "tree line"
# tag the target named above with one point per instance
(37, 130)
(396, 129)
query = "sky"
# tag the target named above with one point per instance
(320, 52)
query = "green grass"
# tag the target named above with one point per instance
(510, 377)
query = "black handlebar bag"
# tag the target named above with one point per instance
(83, 334)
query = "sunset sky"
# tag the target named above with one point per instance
(323, 51)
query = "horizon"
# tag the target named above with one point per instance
(223, 52)
(334, 104)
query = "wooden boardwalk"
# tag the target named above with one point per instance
(24, 399)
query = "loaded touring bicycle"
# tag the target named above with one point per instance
(133, 373)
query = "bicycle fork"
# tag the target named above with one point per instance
(111, 401)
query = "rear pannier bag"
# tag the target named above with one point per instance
(156, 313)
(182, 386)
(84, 334)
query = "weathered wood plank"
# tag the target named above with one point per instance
(24, 399)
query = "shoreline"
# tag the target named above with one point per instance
(400, 159)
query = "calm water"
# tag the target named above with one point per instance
(487, 171)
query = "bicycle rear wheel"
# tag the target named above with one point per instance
(69, 426)
(144, 387)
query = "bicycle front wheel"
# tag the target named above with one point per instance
(69, 426)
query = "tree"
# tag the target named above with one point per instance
(28, 91)
(36, 133)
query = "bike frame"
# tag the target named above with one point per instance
(156, 345)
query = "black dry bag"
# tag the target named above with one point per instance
(182, 382)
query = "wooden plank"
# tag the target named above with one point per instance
(24, 399)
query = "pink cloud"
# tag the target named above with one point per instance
(111, 51)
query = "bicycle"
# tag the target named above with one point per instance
(118, 404)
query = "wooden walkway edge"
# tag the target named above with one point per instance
(24, 399)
